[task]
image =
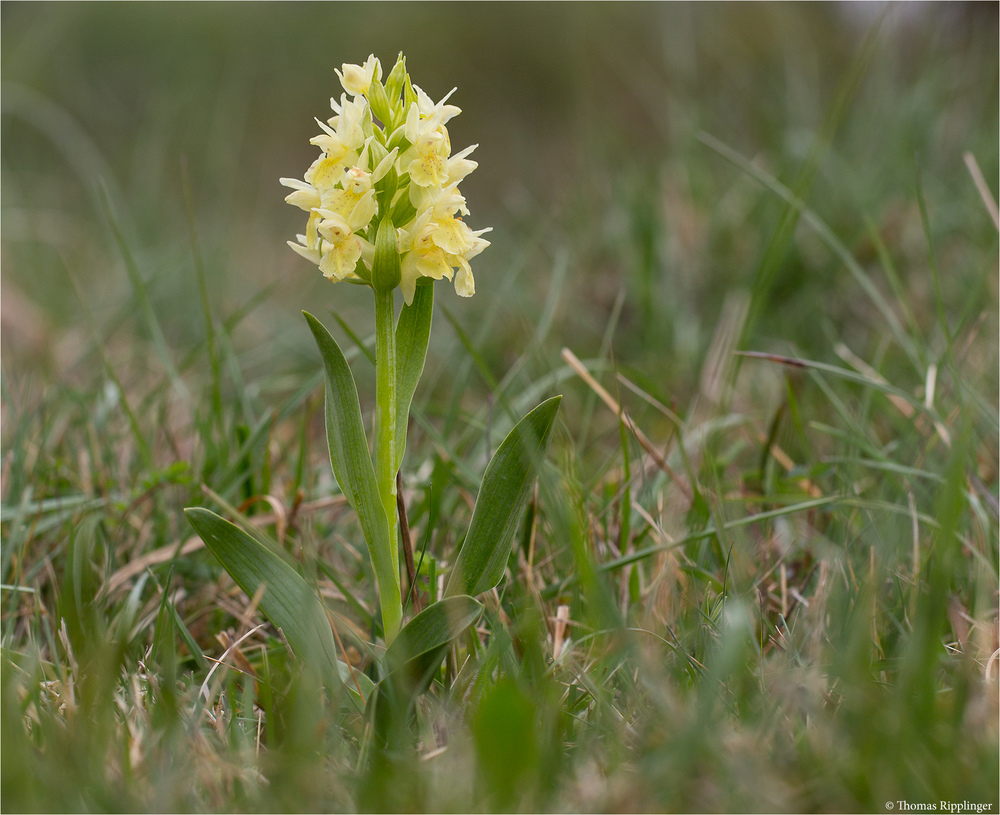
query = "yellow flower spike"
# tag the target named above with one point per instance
(359, 183)
(384, 211)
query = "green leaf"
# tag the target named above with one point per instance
(502, 496)
(436, 625)
(352, 465)
(288, 602)
(412, 660)
(413, 331)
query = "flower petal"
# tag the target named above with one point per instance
(341, 259)
(465, 286)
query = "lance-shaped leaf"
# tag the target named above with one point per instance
(352, 465)
(502, 496)
(413, 330)
(436, 625)
(288, 601)
(413, 658)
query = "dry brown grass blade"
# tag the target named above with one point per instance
(581, 371)
(164, 553)
(204, 690)
(983, 187)
(280, 516)
(898, 402)
(559, 633)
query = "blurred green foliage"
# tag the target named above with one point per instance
(584, 112)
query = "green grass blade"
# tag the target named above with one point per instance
(781, 239)
(352, 466)
(144, 302)
(364, 346)
(206, 303)
(505, 730)
(828, 236)
(481, 365)
(140, 438)
(925, 222)
(848, 375)
(503, 494)
(239, 471)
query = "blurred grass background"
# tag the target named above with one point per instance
(620, 233)
(585, 114)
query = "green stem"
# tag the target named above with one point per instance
(385, 442)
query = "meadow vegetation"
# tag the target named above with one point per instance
(753, 247)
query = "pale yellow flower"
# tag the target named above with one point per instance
(343, 135)
(302, 247)
(305, 196)
(459, 166)
(427, 161)
(357, 79)
(341, 248)
(428, 165)
(352, 121)
(423, 115)
(434, 248)
(465, 285)
(423, 258)
(354, 189)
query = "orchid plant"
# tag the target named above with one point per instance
(384, 210)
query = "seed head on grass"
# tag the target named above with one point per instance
(386, 160)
